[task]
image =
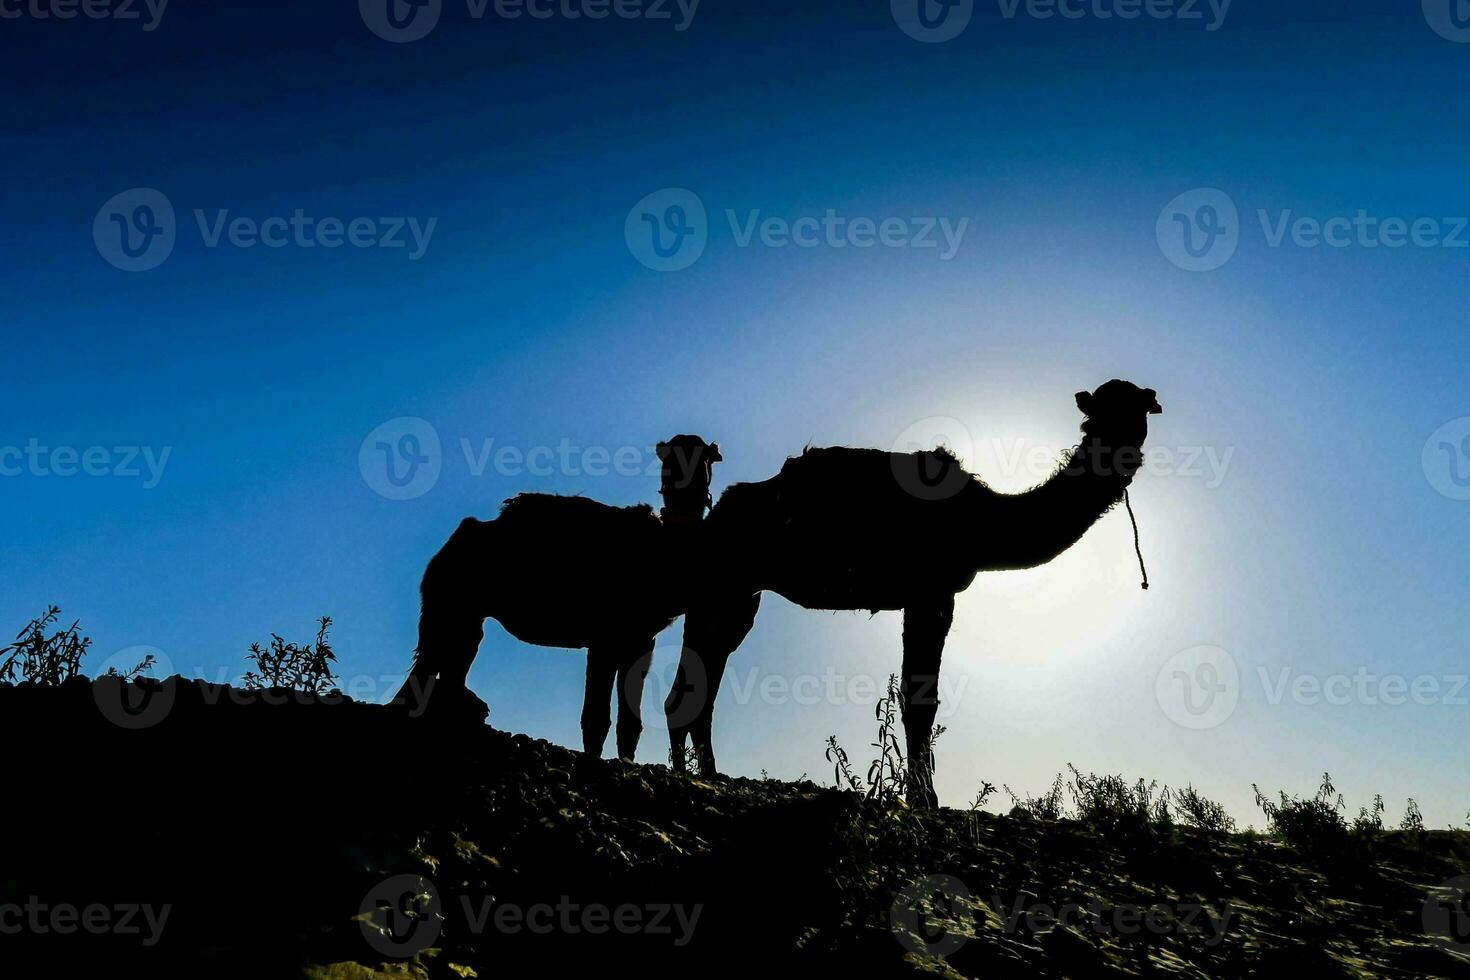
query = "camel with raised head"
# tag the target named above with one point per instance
(567, 572)
(864, 529)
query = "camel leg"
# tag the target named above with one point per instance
(925, 627)
(602, 669)
(701, 730)
(447, 647)
(415, 689)
(451, 625)
(711, 634)
(682, 704)
(632, 672)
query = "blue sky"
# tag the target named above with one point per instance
(1305, 519)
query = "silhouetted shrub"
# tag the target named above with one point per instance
(41, 659)
(1311, 823)
(1111, 804)
(1196, 811)
(1048, 806)
(300, 668)
(1369, 821)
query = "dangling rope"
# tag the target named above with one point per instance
(1136, 547)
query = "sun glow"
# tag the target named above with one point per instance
(1045, 615)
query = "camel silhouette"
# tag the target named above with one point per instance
(859, 529)
(562, 571)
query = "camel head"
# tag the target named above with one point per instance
(687, 470)
(1117, 416)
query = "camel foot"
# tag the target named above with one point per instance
(678, 760)
(628, 747)
(452, 706)
(593, 741)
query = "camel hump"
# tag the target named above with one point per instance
(844, 463)
(573, 511)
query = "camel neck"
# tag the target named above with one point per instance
(1043, 522)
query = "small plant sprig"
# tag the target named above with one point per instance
(691, 757)
(296, 667)
(49, 660)
(1413, 821)
(137, 670)
(986, 791)
(842, 773)
(888, 772)
(887, 777)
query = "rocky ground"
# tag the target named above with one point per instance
(268, 834)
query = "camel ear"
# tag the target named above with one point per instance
(1084, 402)
(714, 452)
(662, 449)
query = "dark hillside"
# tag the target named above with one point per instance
(265, 822)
